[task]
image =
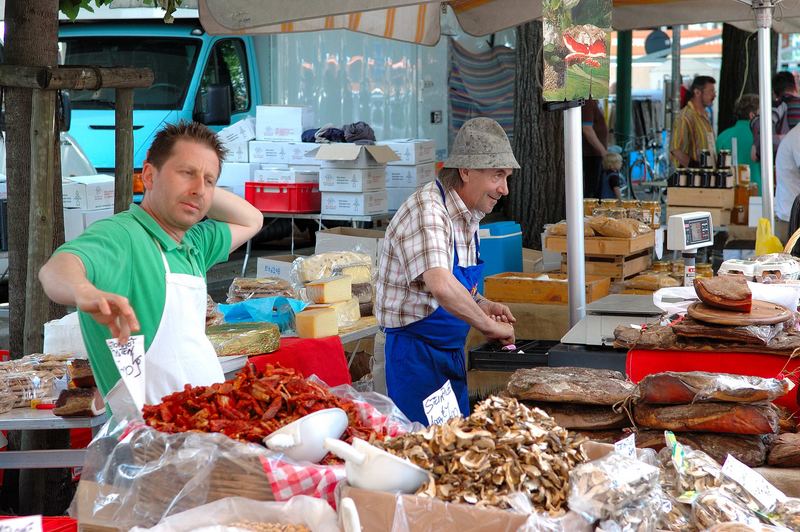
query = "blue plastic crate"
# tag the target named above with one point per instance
(501, 251)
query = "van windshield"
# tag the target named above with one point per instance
(171, 59)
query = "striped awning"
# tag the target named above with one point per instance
(405, 20)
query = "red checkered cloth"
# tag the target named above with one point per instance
(288, 479)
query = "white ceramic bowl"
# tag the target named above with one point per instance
(370, 468)
(303, 440)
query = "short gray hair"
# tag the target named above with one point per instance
(450, 177)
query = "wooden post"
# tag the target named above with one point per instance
(123, 150)
(40, 226)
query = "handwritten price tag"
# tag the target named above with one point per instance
(753, 483)
(441, 405)
(129, 358)
(30, 523)
(627, 446)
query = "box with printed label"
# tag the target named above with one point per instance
(238, 152)
(354, 204)
(352, 179)
(288, 175)
(301, 153)
(77, 220)
(88, 192)
(410, 176)
(411, 151)
(396, 196)
(238, 132)
(275, 152)
(280, 122)
(275, 266)
(343, 155)
(236, 174)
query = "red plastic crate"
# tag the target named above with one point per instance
(54, 524)
(284, 197)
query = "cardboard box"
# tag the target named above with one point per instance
(238, 132)
(412, 151)
(396, 197)
(288, 175)
(275, 266)
(276, 152)
(235, 175)
(352, 179)
(281, 122)
(410, 176)
(88, 192)
(341, 155)
(369, 241)
(354, 204)
(301, 153)
(77, 220)
(238, 152)
(376, 511)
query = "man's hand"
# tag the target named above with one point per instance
(497, 311)
(500, 331)
(111, 310)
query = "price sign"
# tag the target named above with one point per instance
(30, 523)
(627, 446)
(129, 358)
(441, 405)
(753, 483)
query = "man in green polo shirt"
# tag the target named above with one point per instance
(143, 270)
(746, 109)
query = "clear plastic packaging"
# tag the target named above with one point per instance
(609, 488)
(244, 338)
(787, 513)
(28, 385)
(7, 398)
(672, 387)
(675, 516)
(213, 315)
(245, 288)
(330, 264)
(688, 470)
(718, 505)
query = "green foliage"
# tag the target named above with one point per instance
(71, 8)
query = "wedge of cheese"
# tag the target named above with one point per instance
(316, 323)
(347, 312)
(330, 290)
(359, 274)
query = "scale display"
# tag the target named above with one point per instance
(697, 231)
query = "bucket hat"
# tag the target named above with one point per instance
(481, 143)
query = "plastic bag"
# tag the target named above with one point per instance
(684, 469)
(322, 265)
(245, 288)
(213, 315)
(652, 281)
(560, 229)
(244, 338)
(608, 488)
(672, 387)
(301, 510)
(787, 513)
(717, 505)
(612, 228)
(675, 516)
(25, 386)
(766, 241)
(278, 310)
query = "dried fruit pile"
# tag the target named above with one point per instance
(251, 406)
(503, 447)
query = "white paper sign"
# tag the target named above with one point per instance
(627, 446)
(756, 485)
(441, 405)
(30, 523)
(129, 358)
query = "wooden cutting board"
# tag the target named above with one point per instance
(762, 313)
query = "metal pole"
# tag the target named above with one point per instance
(622, 128)
(573, 155)
(763, 14)
(677, 80)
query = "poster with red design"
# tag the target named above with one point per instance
(577, 46)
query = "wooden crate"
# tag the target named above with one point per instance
(700, 198)
(603, 245)
(540, 288)
(618, 268)
(719, 216)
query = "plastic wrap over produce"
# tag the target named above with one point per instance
(245, 288)
(244, 338)
(278, 310)
(225, 514)
(699, 386)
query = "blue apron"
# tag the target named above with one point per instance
(422, 356)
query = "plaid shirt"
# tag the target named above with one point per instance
(420, 237)
(692, 133)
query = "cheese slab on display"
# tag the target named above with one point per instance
(316, 323)
(347, 312)
(362, 292)
(330, 290)
(359, 274)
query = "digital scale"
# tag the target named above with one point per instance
(687, 233)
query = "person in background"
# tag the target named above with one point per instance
(785, 113)
(787, 179)
(692, 131)
(595, 139)
(746, 109)
(611, 181)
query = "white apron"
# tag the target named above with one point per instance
(180, 352)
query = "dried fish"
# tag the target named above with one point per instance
(502, 448)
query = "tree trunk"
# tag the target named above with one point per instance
(738, 73)
(536, 190)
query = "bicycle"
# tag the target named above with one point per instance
(646, 181)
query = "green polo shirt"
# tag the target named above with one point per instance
(744, 141)
(121, 256)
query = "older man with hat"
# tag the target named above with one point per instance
(429, 269)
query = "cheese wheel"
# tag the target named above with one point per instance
(331, 290)
(316, 323)
(347, 312)
(359, 274)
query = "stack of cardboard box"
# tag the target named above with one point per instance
(86, 199)
(414, 168)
